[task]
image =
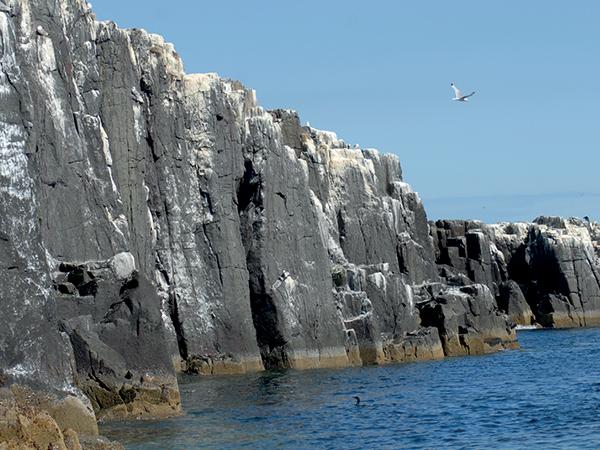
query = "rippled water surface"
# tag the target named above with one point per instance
(546, 395)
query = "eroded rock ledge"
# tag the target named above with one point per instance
(154, 221)
(546, 272)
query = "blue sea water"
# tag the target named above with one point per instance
(546, 395)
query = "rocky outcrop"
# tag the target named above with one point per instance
(512, 301)
(563, 284)
(112, 317)
(31, 420)
(375, 230)
(545, 272)
(463, 247)
(467, 320)
(154, 221)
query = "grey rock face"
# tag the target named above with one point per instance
(30, 350)
(376, 233)
(467, 320)
(364, 342)
(152, 219)
(465, 247)
(62, 204)
(287, 260)
(116, 331)
(564, 284)
(546, 271)
(177, 152)
(512, 301)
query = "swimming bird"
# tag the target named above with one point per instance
(458, 95)
(357, 399)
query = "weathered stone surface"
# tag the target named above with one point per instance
(362, 330)
(117, 337)
(421, 345)
(465, 247)
(551, 263)
(37, 420)
(557, 267)
(468, 320)
(290, 283)
(512, 301)
(564, 273)
(27, 427)
(178, 165)
(151, 219)
(375, 230)
(122, 265)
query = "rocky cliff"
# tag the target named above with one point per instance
(546, 272)
(154, 221)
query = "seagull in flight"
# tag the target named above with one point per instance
(458, 95)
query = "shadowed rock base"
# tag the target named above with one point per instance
(296, 359)
(149, 398)
(328, 358)
(422, 345)
(569, 319)
(512, 301)
(221, 365)
(467, 320)
(117, 336)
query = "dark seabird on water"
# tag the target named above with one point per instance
(357, 399)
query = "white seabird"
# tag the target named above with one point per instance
(458, 95)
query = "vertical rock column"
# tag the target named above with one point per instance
(290, 279)
(31, 349)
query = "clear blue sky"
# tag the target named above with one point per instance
(378, 73)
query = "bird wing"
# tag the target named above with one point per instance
(457, 93)
(467, 96)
